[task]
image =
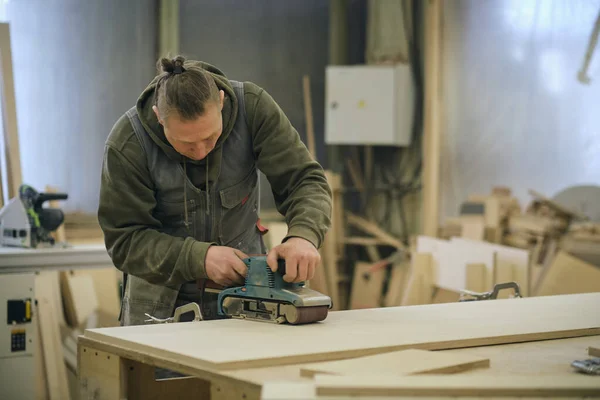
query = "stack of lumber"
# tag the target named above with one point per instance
(483, 217)
(549, 252)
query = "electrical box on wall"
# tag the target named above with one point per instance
(369, 105)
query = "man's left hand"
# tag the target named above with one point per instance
(301, 259)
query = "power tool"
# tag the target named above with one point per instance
(265, 296)
(24, 222)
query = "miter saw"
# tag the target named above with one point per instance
(25, 223)
(265, 296)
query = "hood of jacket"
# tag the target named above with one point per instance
(212, 161)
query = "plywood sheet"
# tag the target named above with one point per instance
(568, 274)
(366, 286)
(458, 385)
(234, 344)
(519, 258)
(450, 259)
(403, 362)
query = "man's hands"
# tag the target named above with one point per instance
(301, 259)
(224, 265)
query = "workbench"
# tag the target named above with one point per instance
(119, 362)
(21, 260)
(29, 279)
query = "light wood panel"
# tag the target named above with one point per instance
(594, 351)
(9, 114)
(506, 255)
(568, 274)
(450, 260)
(458, 385)
(432, 119)
(366, 286)
(354, 333)
(403, 362)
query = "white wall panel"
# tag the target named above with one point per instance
(515, 113)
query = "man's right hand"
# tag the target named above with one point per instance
(224, 265)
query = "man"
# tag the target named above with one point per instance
(179, 189)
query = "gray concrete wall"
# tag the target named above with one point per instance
(272, 43)
(78, 65)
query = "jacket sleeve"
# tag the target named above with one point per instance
(131, 232)
(300, 188)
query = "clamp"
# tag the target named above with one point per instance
(467, 295)
(177, 315)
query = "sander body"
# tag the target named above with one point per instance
(266, 296)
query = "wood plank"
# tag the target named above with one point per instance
(476, 280)
(56, 372)
(356, 333)
(80, 299)
(9, 114)
(419, 288)
(397, 284)
(567, 275)
(367, 286)
(504, 272)
(106, 287)
(373, 229)
(457, 385)
(441, 295)
(472, 227)
(451, 259)
(308, 115)
(519, 258)
(432, 117)
(594, 351)
(403, 362)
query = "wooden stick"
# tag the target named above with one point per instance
(11, 134)
(374, 230)
(432, 120)
(310, 130)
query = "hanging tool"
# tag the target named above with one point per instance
(467, 295)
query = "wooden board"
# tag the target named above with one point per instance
(567, 275)
(366, 286)
(458, 385)
(419, 287)
(46, 287)
(594, 351)
(450, 259)
(9, 114)
(506, 255)
(397, 283)
(355, 333)
(403, 362)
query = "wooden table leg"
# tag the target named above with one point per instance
(105, 376)
(234, 390)
(101, 375)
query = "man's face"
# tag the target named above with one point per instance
(195, 138)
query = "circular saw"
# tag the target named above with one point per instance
(266, 296)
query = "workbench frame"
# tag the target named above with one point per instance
(107, 371)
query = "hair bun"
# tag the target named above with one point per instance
(174, 65)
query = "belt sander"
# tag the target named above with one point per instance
(265, 296)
